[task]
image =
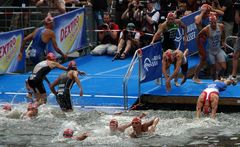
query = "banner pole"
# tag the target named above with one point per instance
(139, 73)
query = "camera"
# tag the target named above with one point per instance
(237, 5)
(142, 5)
(131, 6)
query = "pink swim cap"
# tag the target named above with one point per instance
(51, 56)
(7, 107)
(48, 19)
(171, 15)
(136, 120)
(68, 133)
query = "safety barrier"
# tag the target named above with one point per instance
(127, 76)
(230, 39)
(12, 18)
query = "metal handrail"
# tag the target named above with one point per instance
(126, 78)
(230, 37)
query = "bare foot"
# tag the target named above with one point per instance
(158, 82)
(177, 84)
(183, 80)
(196, 80)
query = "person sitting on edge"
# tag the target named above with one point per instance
(68, 133)
(139, 127)
(129, 41)
(35, 81)
(40, 38)
(115, 128)
(208, 100)
(65, 82)
(179, 59)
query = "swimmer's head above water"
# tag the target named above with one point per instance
(7, 107)
(113, 125)
(68, 133)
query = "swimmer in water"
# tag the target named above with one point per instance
(32, 111)
(116, 128)
(208, 99)
(68, 133)
(7, 107)
(139, 128)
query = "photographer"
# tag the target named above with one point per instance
(129, 41)
(236, 52)
(108, 37)
(128, 15)
(150, 21)
(152, 18)
(140, 15)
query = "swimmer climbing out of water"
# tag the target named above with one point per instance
(179, 60)
(114, 127)
(65, 82)
(208, 99)
(139, 128)
(35, 81)
(68, 133)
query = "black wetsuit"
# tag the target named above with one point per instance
(63, 93)
(39, 73)
(169, 37)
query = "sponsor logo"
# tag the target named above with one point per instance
(153, 62)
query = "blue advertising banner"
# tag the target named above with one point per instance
(151, 62)
(10, 44)
(191, 33)
(70, 30)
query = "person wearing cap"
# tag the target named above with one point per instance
(65, 82)
(179, 60)
(116, 128)
(40, 38)
(35, 80)
(129, 41)
(214, 33)
(168, 30)
(32, 111)
(201, 21)
(7, 107)
(139, 128)
(69, 133)
(208, 99)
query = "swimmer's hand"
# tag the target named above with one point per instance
(83, 136)
(142, 115)
(81, 73)
(81, 93)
